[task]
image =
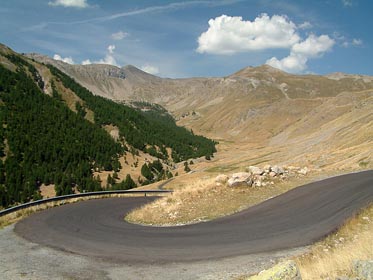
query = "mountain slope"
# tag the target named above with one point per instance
(327, 119)
(55, 132)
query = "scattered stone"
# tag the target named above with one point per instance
(284, 271)
(292, 168)
(267, 168)
(363, 269)
(240, 179)
(221, 179)
(303, 171)
(272, 174)
(258, 183)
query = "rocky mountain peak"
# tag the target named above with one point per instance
(262, 70)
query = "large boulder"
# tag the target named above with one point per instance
(277, 169)
(221, 179)
(258, 181)
(255, 170)
(240, 179)
(283, 271)
(363, 269)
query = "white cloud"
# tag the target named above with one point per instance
(305, 25)
(69, 3)
(229, 35)
(86, 62)
(293, 63)
(111, 49)
(119, 35)
(68, 60)
(313, 46)
(300, 53)
(108, 59)
(357, 42)
(154, 70)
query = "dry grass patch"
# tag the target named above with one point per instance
(203, 200)
(333, 256)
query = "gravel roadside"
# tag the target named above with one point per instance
(21, 259)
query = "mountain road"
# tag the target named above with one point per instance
(299, 217)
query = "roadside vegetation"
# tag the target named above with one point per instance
(205, 200)
(333, 257)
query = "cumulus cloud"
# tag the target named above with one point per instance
(119, 35)
(68, 60)
(154, 70)
(108, 59)
(69, 3)
(228, 35)
(293, 63)
(313, 46)
(301, 52)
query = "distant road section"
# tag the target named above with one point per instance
(299, 217)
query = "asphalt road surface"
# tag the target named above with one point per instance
(299, 217)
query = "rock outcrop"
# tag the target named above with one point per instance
(260, 177)
(240, 179)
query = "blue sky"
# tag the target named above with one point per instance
(196, 37)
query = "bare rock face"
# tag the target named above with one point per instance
(240, 179)
(283, 271)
